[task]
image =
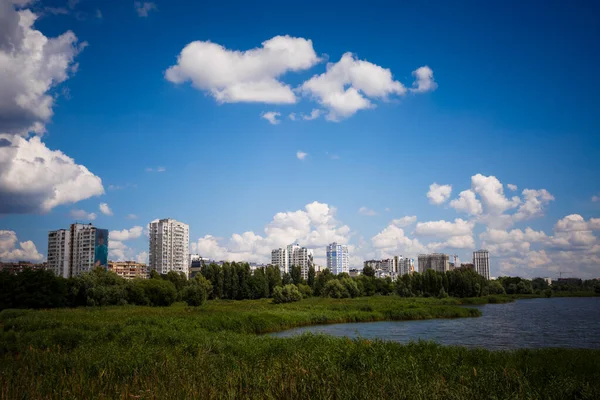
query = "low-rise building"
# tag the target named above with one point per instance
(128, 269)
(19, 266)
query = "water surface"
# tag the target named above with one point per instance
(555, 322)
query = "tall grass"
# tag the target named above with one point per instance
(214, 351)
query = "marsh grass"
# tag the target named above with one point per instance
(213, 351)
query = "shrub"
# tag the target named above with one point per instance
(157, 292)
(442, 294)
(351, 286)
(287, 294)
(335, 289)
(548, 292)
(305, 290)
(194, 295)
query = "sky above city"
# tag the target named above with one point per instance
(397, 128)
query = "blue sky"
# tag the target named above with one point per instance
(508, 97)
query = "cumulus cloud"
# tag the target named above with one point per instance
(300, 155)
(404, 221)
(126, 234)
(292, 116)
(444, 229)
(393, 241)
(13, 250)
(105, 209)
(142, 257)
(143, 8)
(232, 76)
(314, 114)
(367, 211)
(467, 202)
(424, 81)
(131, 216)
(271, 116)
(439, 194)
(348, 85)
(512, 187)
(34, 178)
(492, 196)
(314, 227)
(533, 205)
(82, 215)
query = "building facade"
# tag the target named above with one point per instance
(337, 258)
(405, 265)
(292, 256)
(481, 262)
(169, 246)
(279, 257)
(77, 250)
(129, 269)
(436, 261)
(19, 266)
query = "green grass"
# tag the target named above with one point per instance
(214, 352)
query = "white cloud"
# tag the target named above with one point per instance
(492, 196)
(131, 216)
(232, 76)
(512, 187)
(404, 221)
(292, 116)
(314, 114)
(142, 257)
(31, 64)
(271, 116)
(117, 250)
(467, 202)
(367, 211)
(157, 169)
(105, 209)
(82, 215)
(347, 85)
(34, 178)
(533, 207)
(439, 194)
(595, 199)
(9, 251)
(424, 81)
(143, 8)
(445, 229)
(393, 241)
(314, 227)
(300, 155)
(126, 234)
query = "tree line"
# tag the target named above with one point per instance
(236, 281)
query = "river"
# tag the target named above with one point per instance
(533, 323)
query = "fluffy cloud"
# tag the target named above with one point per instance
(444, 229)
(424, 81)
(105, 209)
(34, 178)
(142, 257)
(314, 114)
(314, 227)
(393, 241)
(143, 8)
(491, 192)
(512, 187)
(404, 221)
(126, 234)
(271, 116)
(9, 251)
(439, 194)
(347, 85)
(31, 64)
(367, 211)
(467, 202)
(300, 155)
(82, 215)
(232, 76)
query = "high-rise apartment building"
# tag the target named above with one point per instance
(405, 265)
(436, 261)
(481, 263)
(337, 258)
(279, 258)
(77, 250)
(169, 246)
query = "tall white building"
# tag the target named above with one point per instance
(74, 251)
(279, 257)
(59, 252)
(481, 263)
(169, 246)
(436, 261)
(405, 265)
(337, 258)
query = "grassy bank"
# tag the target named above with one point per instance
(214, 352)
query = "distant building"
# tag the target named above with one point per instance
(436, 261)
(391, 267)
(405, 265)
(467, 266)
(19, 266)
(77, 250)
(293, 256)
(337, 258)
(481, 262)
(169, 246)
(548, 281)
(279, 258)
(354, 272)
(196, 263)
(129, 269)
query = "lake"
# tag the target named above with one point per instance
(533, 323)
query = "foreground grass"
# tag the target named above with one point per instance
(214, 352)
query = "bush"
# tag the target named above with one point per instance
(156, 292)
(287, 294)
(194, 295)
(351, 286)
(548, 292)
(335, 289)
(442, 294)
(305, 290)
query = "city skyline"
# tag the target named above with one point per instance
(473, 144)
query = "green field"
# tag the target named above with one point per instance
(217, 351)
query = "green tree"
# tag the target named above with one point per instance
(335, 289)
(194, 295)
(351, 286)
(311, 277)
(321, 280)
(286, 279)
(286, 294)
(296, 275)
(305, 290)
(368, 271)
(273, 277)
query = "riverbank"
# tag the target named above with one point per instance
(213, 352)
